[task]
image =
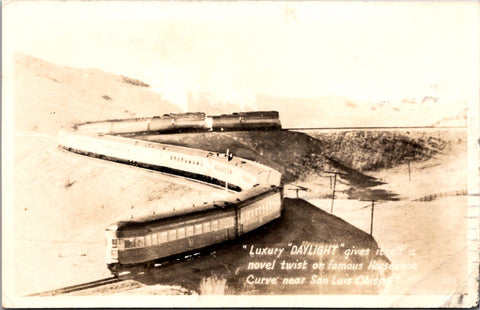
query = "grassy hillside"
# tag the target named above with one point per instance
(372, 150)
(300, 156)
(291, 153)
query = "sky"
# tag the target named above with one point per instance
(364, 50)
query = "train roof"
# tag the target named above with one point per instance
(189, 115)
(236, 161)
(215, 206)
(271, 114)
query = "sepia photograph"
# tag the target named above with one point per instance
(240, 154)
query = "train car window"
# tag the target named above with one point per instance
(214, 225)
(154, 239)
(226, 223)
(206, 227)
(129, 243)
(121, 244)
(172, 234)
(162, 237)
(148, 240)
(189, 231)
(181, 232)
(198, 229)
(139, 242)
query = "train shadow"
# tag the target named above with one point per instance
(235, 267)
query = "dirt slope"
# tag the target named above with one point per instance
(302, 223)
(301, 157)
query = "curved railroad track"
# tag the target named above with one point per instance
(132, 127)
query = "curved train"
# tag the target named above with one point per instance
(197, 121)
(145, 240)
(155, 237)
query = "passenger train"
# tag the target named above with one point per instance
(186, 122)
(145, 240)
(156, 237)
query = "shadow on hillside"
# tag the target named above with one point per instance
(302, 224)
(305, 154)
(361, 183)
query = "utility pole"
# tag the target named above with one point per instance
(409, 159)
(333, 192)
(371, 217)
(297, 189)
(334, 185)
(228, 165)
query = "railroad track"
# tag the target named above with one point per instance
(131, 273)
(77, 287)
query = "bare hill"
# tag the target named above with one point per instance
(48, 97)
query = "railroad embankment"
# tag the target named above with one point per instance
(302, 158)
(307, 251)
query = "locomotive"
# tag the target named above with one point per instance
(246, 121)
(197, 121)
(155, 237)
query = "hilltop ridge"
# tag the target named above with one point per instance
(49, 97)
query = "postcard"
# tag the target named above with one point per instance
(240, 154)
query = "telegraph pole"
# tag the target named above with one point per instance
(297, 189)
(228, 164)
(371, 217)
(409, 159)
(334, 185)
(333, 192)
